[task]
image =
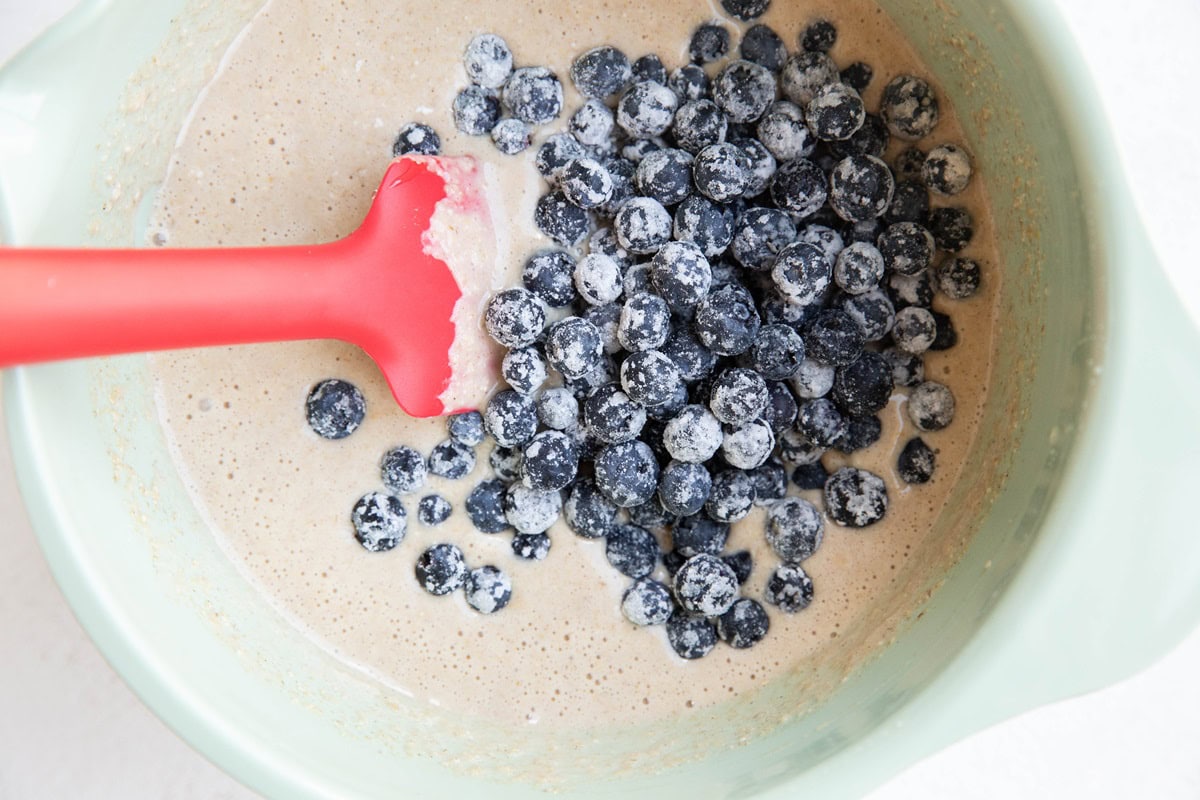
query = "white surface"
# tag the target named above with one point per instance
(70, 728)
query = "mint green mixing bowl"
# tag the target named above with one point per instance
(1084, 565)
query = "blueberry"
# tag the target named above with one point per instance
(558, 409)
(466, 427)
(592, 123)
(651, 515)
(485, 506)
(511, 136)
(770, 482)
(731, 497)
(821, 422)
(871, 139)
(762, 45)
(907, 369)
(908, 165)
(560, 219)
(858, 76)
(709, 42)
(744, 625)
(691, 637)
(946, 336)
(531, 510)
(588, 512)
(802, 273)
(810, 476)
(611, 416)
(636, 282)
(531, 546)
(510, 418)
(379, 521)
(794, 529)
(759, 234)
(601, 72)
(743, 90)
(785, 135)
(721, 172)
(835, 113)
(826, 238)
(598, 279)
(952, 228)
(670, 407)
(646, 602)
(911, 290)
(864, 386)
(727, 321)
(799, 187)
(855, 497)
(604, 242)
(746, 10)
(777, 352)
(748, 445)
(958, 278)
(533, 95)
(621, 171)
(865, 231)
(402, 470)
(813, 379)
(441, 569)
(789, 588)
(488, 61)
(806, 72)
(514, 317)
(646, 109)
(859, 268)
(681, 274)
(683, 488)
(693, 360)
(762, 166)
(694, 435)
(833, 338)
(643, 225)
(334, 408)
(554, 154)
(585, 183)
(631, 550)
(418, 139)
(433, 509)
(607, 320)
(738, 396)
(915, 330)
(506, 463)
(488, 589)
(665, 175)
(650, 68)
(947, 169)
(906, 247)
(910, 203)
(861, 432)
(452, 460)
(548, 275)
(573, 347)
(649, 377)
(627, 473)
(476, 111)
(549, 461)
(689, 82)
(931, 406)
(860, 188)
(645, 322)
(909, 107)
(523, 369)
(706, 585)
(781, 410)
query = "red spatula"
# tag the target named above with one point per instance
(378, 288)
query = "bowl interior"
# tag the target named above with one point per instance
(204, 649)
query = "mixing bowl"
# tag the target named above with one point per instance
(1082, 565)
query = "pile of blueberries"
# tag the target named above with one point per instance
(741, 285)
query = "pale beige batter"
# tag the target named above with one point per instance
(285, 147)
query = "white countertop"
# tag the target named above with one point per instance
(70, 728)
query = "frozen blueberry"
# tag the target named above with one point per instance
(514, 317)
(334, 408)
(721, 172)
(746, 10)
(645, 322)
(689, 82)
(588, 512)
(742, 564)
(871, 139)
(762, 45)
(855, 497)
(637, 281)
(592, 123)
(952, 228)
(806, 72)
(909, 107)
(523, 369)
(598, 279)
(858, 76)
(947, 169)
(379, 521)
(931, 406)
(860, 188)
(794, 529)
(485, 506)
(511, 136)
(506, 463)
(762, 166)
(810, 476)
(441, 569)
(748, 445)
(533, 95)
(631, 550)
(731, 497)
(821, 422)
(476, 111)
(549, 461)
(835, 113)
(915, 330)
(866, 231)
(710, 42)
(683, 488)
(744, 625)
(907, 369)
(759, 234)
(693, 360)
(770, 481)
(906, 247)
(433, 509)
(554, 154)
(557, 409)
(643, 225)
(611, 416)
(452, 460)
(585, 183)
(646, 109)
(738, 396)
(646, 602)
(606, 319)
(706, 224)
(531, 510)
(531, 546)
(910, 203)
(861, 432)
(789, 588)
(813, 379)
(560, 219)
(549, 275)
(958, 278)
(621, 171)
(777, 352)
(488, 60)
(670, 407)
(727, 320)
(863, 386)
(627, 473)
(800, 187)
(466, 427)
(819, 36)
(824, 237)
(833, 338)
(916, 461)
(691, 637)
(573, 347)
(743, 90)
(665, 175)
(681, 274)
(706, 585)
(781, 409)
(650, 68)
(694, 435)
(802, 273)
(510, 418)
(785, 135)
(601, 72)
(911, 290)
(488, 589)
(946, 336)
(402, 470)
(859, 268)
(650, 378)
(909, 164)
(417, 139)
(698, 124)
